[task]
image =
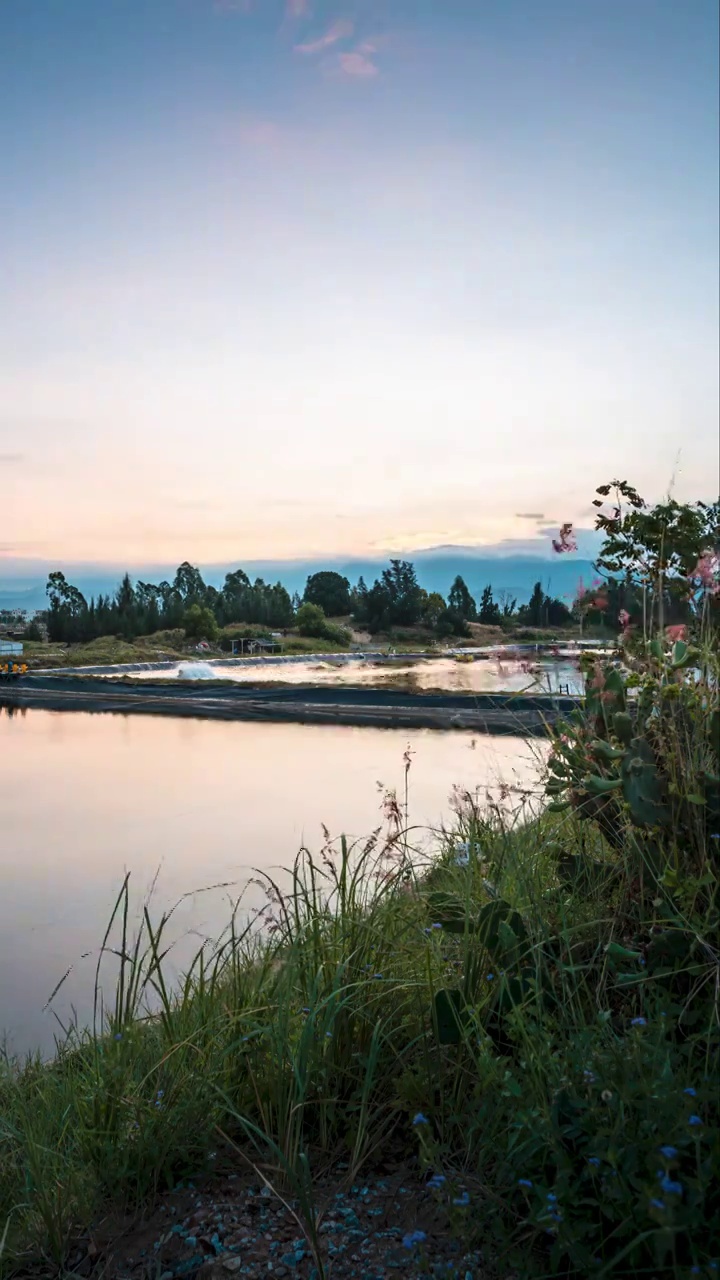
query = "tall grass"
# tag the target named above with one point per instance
(534, 1054)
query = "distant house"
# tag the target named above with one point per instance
(256, 648)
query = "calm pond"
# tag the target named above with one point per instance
(85, 798)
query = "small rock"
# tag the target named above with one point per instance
(230, 1265)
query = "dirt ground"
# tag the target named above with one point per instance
(388, 1225)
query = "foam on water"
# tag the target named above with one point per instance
(195, 671)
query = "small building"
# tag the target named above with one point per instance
(256, 648)
(10, 648)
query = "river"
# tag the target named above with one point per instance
(85, 798)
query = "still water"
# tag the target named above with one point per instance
(85, 798)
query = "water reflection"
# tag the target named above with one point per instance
(85, 798)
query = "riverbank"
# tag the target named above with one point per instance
(485, 713)
(173, 645)
(404, 1071)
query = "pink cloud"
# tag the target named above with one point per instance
(338, 31)
(358, 65)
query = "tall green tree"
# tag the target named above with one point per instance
(358, 601)
(433, 608)
(461, 601)
(188, 583)
(403, 592)
(330, 591)
(543, 610)
(489, 612)
(533, 612)
(67, 611)
(126, 608)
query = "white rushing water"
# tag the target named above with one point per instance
(196, 671)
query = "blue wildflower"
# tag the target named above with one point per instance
(463, 1199)
(551, 1197)
(694, 1121)
(377, 975)
(412, 1238)
(328, 1035)
(118, 1035)
(668, 1152)
(437, 925)
(657, 1204)
(691, 1093)
(525, 1182)
(669, 1187)
(638, 1022)
(437, 1180)
(490, 977)
(420, 1118)
(594, 1161)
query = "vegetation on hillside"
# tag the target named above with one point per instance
(528, 1017)
(526, 1014)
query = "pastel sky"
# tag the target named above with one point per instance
(292, 277)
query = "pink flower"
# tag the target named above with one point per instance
(566, 540)
(676, 633)
(707, 572)
(624, 619)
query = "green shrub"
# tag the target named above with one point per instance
(311, 621)
(200, 623)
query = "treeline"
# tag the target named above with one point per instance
(395, 599)
(188, 602)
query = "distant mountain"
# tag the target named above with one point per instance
(22, 584)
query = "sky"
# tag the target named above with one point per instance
(285, 278)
